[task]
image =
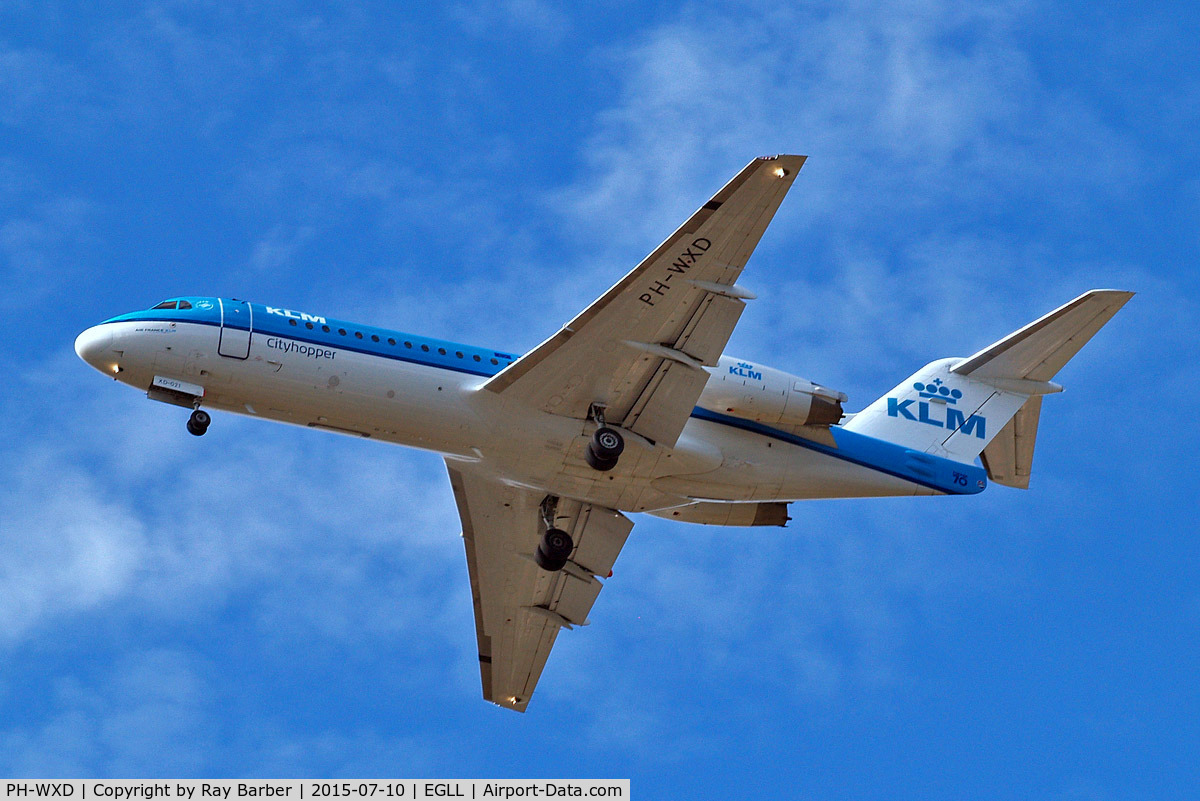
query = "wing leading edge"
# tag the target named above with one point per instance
(640, 348)
(520, 608)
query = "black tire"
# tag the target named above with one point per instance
(554, 550)
(607, 444)
(200, 419)
(194, 430)
(595, 462)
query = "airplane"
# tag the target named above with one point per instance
(630, 407)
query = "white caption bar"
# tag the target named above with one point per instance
(295, 789)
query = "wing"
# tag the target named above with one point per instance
(519, 608)
(641, 348)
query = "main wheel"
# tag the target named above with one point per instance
(607, 443)
(604, 449)
(554, 549)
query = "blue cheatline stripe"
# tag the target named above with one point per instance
(885, 457)
(412, 356)
(876, 454)
(206, 310)
(416, 358)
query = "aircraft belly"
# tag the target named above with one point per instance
(817, 475)
(760, 468)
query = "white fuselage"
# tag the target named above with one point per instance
(445, 410)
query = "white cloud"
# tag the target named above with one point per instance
(65, 546)
(114, 508)
(146, 715)
(34, 82)
(42, 242)
(277, 249)
(903, 109)
(159, 713)
(537, 21)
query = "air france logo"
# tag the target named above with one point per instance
(745, 371)
(945, 398)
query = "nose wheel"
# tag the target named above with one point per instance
(198, 423)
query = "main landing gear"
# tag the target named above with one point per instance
(605, 448)
(197, 424)
(556, 545)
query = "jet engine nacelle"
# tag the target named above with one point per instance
(772, 397)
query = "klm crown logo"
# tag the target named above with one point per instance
(938, 391)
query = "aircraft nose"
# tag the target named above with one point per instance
(92, 347)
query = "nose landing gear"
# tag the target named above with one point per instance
(198, 423)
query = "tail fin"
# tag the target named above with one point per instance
(988, 404)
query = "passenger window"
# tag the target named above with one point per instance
(308, 326)
(291, 322)
(458, 353)
(167, 304)
(425, 348)
(358, 334)
(391, 341)
(342, 331)
(476, 357)
(442, 351)
(494, 361)
(325, 328)
(374, 337)
(408, 344)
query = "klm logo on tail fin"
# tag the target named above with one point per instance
(940, 414)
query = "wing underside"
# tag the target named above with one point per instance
(520, 608)
(640, 349)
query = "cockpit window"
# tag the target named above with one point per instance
(183, 304)
(166, 304)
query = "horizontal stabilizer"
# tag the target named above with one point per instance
(1039, 350)
(711, 513)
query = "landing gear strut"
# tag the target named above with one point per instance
(605, 448)
(197, 424)
(556, 545)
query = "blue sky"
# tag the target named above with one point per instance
(270, 601)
